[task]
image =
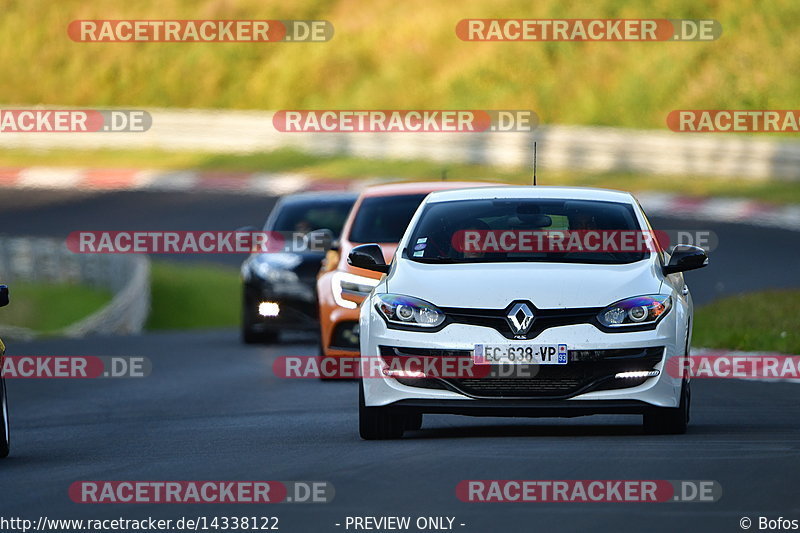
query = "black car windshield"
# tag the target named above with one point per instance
(524, 230)
(304, 217)
(384, 218)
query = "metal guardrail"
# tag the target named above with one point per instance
(596, 149)
(44, 260)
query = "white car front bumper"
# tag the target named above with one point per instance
(660, 391)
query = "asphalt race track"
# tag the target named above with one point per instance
(213, 410)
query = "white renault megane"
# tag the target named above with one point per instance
(546, 294)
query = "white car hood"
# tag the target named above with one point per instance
(546, 285)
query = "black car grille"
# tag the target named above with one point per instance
(543, 319)
(587, 370)
(300, 312)
(307, 270)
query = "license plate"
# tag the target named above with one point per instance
(520, 354)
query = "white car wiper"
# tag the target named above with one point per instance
(439, 259)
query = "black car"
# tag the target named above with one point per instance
(279, 288)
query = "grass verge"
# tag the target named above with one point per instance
(193, 296)
(47, 307)
(183, 297)
(343, 167)
(758, 321)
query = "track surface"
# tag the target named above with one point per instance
(212, 409)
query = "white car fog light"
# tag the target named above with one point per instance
(637, 374)
(403, 373)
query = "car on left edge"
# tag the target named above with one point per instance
(279, 288)
(5, 435)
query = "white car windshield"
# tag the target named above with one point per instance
(525, 230)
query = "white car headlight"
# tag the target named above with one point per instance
(638, 311)
(408, 311)
(347, 283)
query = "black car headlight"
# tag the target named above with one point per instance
(408, 311)
(276, 269)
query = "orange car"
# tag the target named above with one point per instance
(380, 215)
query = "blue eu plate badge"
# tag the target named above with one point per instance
(562, 354)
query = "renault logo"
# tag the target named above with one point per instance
(520, 318)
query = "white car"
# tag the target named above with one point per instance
(552, 331)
